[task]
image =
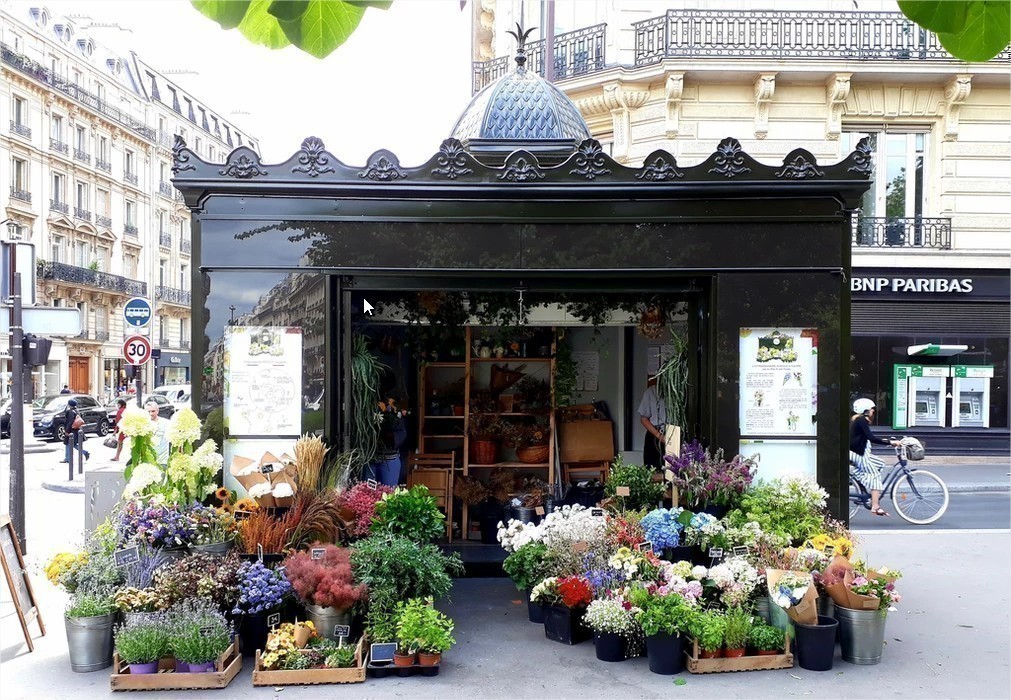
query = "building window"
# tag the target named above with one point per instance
(57, 248)
(899, 163)
(54, 65)
(59, 184)
(212, 153)
(82, 196)
(103, 257)
(21, 180)
(129, 163)
(100, 91)
(161, 221)
(130, 265)
(19, 111)
(82, 254)
(131, 213)
(81, 144)
(56, 128)
(77, 77)
(162, 272)
(198, 145)
(103, 148)
(183, 276)
(102, 202)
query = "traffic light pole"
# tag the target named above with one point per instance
(17, 435)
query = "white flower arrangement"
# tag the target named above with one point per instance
(184, 428)
(283, 489)
(736, 579)
(259, 490)
(790, 590)
(573, 524)
(609, 616)
(136, 422)
(544, 590)
(516, 533)
(144, 475)
(626, 562)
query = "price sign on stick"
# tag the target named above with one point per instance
(597, 512)
(539, 510)
(644, 547)
(829, 550)
(741, 551)
(241, 514)
(267, 469)
(622, 491)
(274, 620)
(342, 631)
(126, 556)
(259, 552)
(372, 484)
(317, 553)
(715, 553)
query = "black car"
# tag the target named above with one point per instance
(165, 407)
(5, 419)
(48, 415)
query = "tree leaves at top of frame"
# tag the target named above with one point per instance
(972, 30)
(317, 27)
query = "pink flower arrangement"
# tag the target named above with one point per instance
(359, 505)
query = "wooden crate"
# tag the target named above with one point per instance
(744, 663)
(314, 676)
(226, 668)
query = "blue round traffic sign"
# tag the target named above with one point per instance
(137, 312)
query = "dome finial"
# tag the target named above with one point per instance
(521, 43)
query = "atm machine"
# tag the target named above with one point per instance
(970, 388)
(926, 404)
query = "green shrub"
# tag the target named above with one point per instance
(420, 627)
(707, 627)
(410, 513)
(667, 614)
(643, 491)
(341, 657)
(142, 641)
(736, 626)
(766, 638)
(527, 566)
(198, 632)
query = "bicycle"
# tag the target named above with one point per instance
(913, 491)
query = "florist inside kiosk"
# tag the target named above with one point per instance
(411, 371)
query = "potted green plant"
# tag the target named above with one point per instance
(89, 620)
(643, 491)
(665, 620)
(423, 629)
(736, 626)
(198, 634)
(766, 640)
(321, 577)
(527, 566)
(142, 642)
(707, 628)
(410, 513)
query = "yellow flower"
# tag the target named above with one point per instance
(61, 563)
(136, 423)
(184, 428)
(247, 504)
(223, 495)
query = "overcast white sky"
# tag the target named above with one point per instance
(399, 83)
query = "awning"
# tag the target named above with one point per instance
(935, 350)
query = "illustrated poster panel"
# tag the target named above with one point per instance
(263, 380)
(779, 458)
(779, 382)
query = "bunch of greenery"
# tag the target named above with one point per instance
(91, 603)
(565, 372)
(198, 632)
(667, 614)
(643, 491)
(365, 375)
(410, 513)
(708, 629)
(766, 638)
(790, 508)
(736, 627)
(528, 565)
(143, 640)
(341, 657)
(420, 627)
(672, 381)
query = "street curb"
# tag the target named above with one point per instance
(979, 488)
(64, 487)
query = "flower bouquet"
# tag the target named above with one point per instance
(838, 579)
(270, 481)
(735, 579)
(794, 591)
(260, 589)
(156, 524)
(662, 528)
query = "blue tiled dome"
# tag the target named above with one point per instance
(521, 106)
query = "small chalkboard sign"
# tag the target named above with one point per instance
(539, 510)
(241, 515)
(126, 556)
(829, 550)
(207, 631)
(372, 484)
(741, 551)
(17, 580)
(342, 631)
(715, 553)
(382, 653)
(317, 553)
(622, 491)
(580, 546)
(259, 552)
(597, 512)
(644, 547)
(267, 468)
(274, 620)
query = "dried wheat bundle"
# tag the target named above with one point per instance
(309, 455)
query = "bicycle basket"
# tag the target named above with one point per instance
(914, 449)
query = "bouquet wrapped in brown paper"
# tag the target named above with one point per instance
(838, 580)
(794, 591)
(270, 481)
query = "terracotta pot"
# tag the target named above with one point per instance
(714, 654)
(457, 410)
(429, 659)
(403, 659)
(766, 652)
(733, 653)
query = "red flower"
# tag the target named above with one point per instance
(575, 591)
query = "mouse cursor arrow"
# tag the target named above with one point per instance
(367, 307)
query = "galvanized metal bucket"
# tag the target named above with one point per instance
(861, 634)
(89, 640)
(326, 618)
(762, 608)
(218, 548)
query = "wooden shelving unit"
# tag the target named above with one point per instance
(436, 433)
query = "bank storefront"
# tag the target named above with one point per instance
(172, 368)
(930, 346)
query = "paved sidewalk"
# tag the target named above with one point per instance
(949, 639)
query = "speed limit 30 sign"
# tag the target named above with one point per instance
(137, 349)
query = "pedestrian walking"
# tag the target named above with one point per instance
(120, 437)
(65, 389)
(73, 426)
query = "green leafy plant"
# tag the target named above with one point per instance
(365, 374)
(142, 640)
(528, 565)
(410, 513)
(341, 657)
(766, 638)
(198, 632)
(420, 627)
(972, 30)
(707, 628)
(736, 626)
(643, 491)
(672, 381)
(791, 509)
(296, 661)
(565, 372)
(91, 604)
(668, 614)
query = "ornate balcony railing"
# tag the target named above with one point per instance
(172, 295)
(57, 145)
(103, 221)
(165, 239)
(164, 138)
(92, 278)
(184, 344)
(23, 195)
(576, 53)
(130, 230)
(57, 205)
(786, 34)
(103, 165)
(82, 214)
(163, 341)
(82, 156)
(20, 129)
(901, 232)
(184, 245)
(37, 71)
(131, 178)
(99, 335)
(165, 189)
(179, 197)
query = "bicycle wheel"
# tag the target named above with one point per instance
(921, 497)
(856, 498)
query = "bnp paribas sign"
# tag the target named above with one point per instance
(913, 285)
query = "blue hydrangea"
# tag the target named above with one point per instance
(662, 528)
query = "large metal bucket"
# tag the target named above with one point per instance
(218, 548)
(325, 618)
(89, 640)
(861, 634)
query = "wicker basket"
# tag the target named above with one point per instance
(534, 454)
(483, 451)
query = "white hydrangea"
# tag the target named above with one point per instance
(259, 490)
(283, 490)
(516, 533)
(144, 475)
(573, 524)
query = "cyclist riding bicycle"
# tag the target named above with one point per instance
(867, 467)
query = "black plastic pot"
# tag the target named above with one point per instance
(816, 644)
(535, 611)
(562, 624)
(715, 510)
(253, 633)
(609, 647)
(678, 554)
(666, 653)
(489, 513)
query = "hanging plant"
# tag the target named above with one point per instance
(652, 322)
(365, 374)
(565, 372)
(672, 381)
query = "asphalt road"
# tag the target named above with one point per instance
(976, 511)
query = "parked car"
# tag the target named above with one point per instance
(5, 418)
(48, 412)
(165, 409)
(177, 394)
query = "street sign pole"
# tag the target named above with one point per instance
(17, 478)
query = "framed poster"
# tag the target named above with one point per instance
(779, 382)
(263, 381)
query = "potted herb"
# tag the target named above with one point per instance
(89, 620)
(142, 642)
(665, 619)
(261, 591)
(410, 513)
(423, 629)
(214, 530)
(322, 579)
(565, 600)
(137, 604)
(198, 634)
(736, 626)
(611, 624)
(526, 567)
(643, 491)
(707, 628)
(766, 640)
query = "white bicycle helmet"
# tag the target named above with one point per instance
(862, 405)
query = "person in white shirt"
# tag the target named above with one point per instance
(653, 416)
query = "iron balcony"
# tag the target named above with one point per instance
(172, 295)
(23, 195)
(20, 129)
(93, 278)
(902, 232)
